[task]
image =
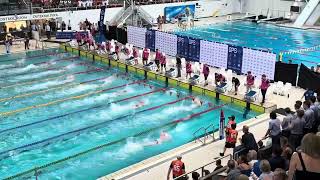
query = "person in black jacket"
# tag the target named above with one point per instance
(178, 64)
(248, 141)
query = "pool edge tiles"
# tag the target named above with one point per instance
(178, 83)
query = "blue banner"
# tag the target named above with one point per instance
(151, 39)
(235, 54)
(175, 12)
(182, 46)
(194, 49)
(69, 34)
(101, 25)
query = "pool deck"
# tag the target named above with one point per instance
(195, 154)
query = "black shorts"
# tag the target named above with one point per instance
(230, 145)
(157, 62)
(163, 65)
(144, 59)
(206, 76)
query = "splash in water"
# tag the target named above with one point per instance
(44, 85)
(20, 70)
(38, 75)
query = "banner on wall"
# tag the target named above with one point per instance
(102, 37)
(194, 49)
(235, 54)
(166, 43)
(214, 54)
(259, 62)
(151, 39)
(174, 12)
(137, 36)
(182, 46)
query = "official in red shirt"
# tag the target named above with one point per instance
(177, 167)
(231, 138)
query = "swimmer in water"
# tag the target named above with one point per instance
(121, 92)
(164, 136)
(197, 101)
(139, 105)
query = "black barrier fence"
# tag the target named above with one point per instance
(286, 73)
(308, 79)
(119, 34)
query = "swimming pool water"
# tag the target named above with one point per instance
(82, 120)
(263, 36)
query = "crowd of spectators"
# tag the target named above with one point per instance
(292, 154)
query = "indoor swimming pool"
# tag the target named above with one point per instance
(63, 117)
(300, 46)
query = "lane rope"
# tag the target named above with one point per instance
(60, 86)
(17, 150)
(36, 64)
(8, 113)
(36, 56)
(52, 78)
(36, 169)
(42, 70)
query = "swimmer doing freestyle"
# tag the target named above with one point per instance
(139, 105)
(164, 136)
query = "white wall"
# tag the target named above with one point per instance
(256, 6)
(207, 8)
(314, 16)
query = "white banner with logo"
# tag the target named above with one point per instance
(137, 36)
(259, 62)
(214, 54)
(25, 17)
(166, 43)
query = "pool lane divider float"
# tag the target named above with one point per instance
(59, 86)
(44, 70)
(51, 78)
(167, 80)
(31, 57)
(37, 170)
(67, 114)
(8, 113)
(70, 134)
(39, 63)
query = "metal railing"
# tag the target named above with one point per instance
(205, 167)
(206, 133)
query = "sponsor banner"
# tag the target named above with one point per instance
(235, 54)
(194, 49)
(25, 17)
(174, 12)
(101, 24)
(214, 54)
(259, 62)
(182, 46)
(137, 36)
(151, 39)
(166, 43)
